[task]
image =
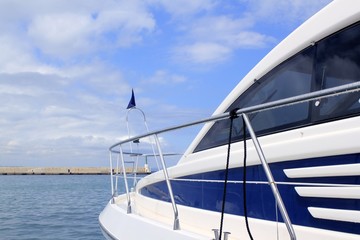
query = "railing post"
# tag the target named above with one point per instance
(111, 174)
(176, 214)
(270, 179)
(116, 171)
(125, 180)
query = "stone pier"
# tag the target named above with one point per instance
(62, 170)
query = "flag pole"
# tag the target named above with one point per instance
(132, 106)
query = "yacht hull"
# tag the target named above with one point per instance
(117, 224)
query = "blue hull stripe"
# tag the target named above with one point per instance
(261, 203)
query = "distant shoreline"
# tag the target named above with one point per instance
(62, 171)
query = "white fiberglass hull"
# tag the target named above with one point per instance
(116, 223)
(150, 219)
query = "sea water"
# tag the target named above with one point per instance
(52, 206)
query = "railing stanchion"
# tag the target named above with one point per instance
(270, 179)
(176, 214)
(125, 180)
(117, 174)
(111, 175)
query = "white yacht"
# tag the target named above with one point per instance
(279, 158)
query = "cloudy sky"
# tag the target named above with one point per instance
(67, 68)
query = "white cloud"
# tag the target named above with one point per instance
(214, 39)
(17, 56)
(127, 25)
(203, 52)
(48, 115)
(219, 27)
(62, 101)
(165, 77)
(63, 30)
(284, 11)
(181, 8)
(63, 34)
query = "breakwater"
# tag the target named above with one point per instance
(63, 170)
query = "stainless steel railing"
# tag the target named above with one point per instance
(343, 89)
(270, 178)
(120, 160)
(244, 111)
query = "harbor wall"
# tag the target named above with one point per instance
(63, 170)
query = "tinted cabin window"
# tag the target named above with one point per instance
(338, 63)
(331, 62)
(289, 79)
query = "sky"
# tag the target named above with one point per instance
(67, 69)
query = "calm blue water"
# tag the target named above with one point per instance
(52, 207)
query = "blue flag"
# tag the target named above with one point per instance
(132, 100)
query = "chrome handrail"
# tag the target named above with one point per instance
(270, 178)
(161, 155)
(167, 179)
(126, 182)
(346, 88)
(244, 111)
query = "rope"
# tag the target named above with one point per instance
(244, 182)
(233, 115)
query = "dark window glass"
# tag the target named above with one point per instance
(291, 78)
(338, 63)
